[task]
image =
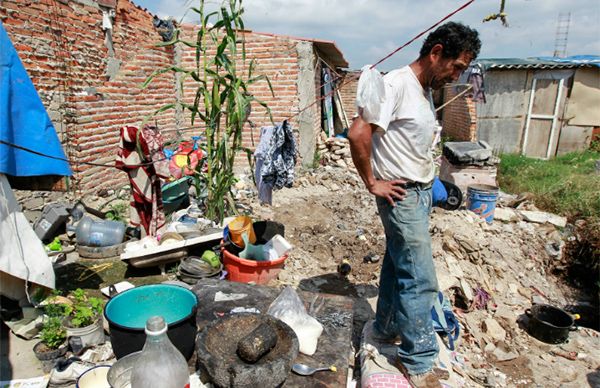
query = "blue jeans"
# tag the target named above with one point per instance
(408, 284)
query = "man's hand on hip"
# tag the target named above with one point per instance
(390, 190)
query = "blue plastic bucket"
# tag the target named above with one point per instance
(481, 199)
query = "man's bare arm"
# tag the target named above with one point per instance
(360, 136)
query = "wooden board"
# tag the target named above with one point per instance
(333, 311)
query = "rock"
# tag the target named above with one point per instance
(506, 214)
(543, 217)
(341, 163)
(503, 353)
(450, 245)
(489, 348)
(33, 203)
(466, 289)
(453, 266)
(493, 329)
(538, 299)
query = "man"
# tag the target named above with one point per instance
(393, 157)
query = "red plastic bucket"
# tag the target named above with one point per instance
(246, 271)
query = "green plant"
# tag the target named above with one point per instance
(117, 212)
(84, 310)
(316, 160)
(53, 333)
(222, 99)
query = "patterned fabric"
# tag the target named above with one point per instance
(280, 157)
(265, 190)
(137, 147)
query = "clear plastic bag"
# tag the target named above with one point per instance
(370, 93)
(289, 308)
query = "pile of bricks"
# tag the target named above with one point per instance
(335, 151)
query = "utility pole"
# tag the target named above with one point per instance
(562, 34)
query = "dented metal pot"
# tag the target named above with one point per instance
(549, 324)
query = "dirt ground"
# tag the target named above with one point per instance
(329, 216)
(491, 273)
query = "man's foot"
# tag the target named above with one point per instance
(425, 380)
(382, 338)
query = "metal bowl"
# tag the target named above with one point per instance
(119, 374)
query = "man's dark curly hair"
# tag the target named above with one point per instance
(455, 38)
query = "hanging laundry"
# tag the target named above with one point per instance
(265, 190)
(474, 77)
(136, 148)
(327, 93)
(279, 159)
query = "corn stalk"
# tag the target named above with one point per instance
(222, 76)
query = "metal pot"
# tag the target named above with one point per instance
(549, 324)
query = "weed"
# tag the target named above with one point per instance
(566, 185)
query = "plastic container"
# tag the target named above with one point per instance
(53, 217)
(246, 271)
(101, 233)
(240, 225)
(481, 199)
(160, 364)
(127, 313)
(276, 247)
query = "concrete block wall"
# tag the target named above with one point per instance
(459, 117)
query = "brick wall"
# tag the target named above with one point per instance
(62, 46)
(276, 58)
(91, 89)
(348, 92)
(459, 117)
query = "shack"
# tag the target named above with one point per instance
(539, 107)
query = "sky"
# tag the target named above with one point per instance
(367, 30)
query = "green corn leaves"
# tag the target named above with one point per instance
(222, 101)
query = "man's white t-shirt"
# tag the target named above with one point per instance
(401, 147)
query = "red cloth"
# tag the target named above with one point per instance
(135, 148)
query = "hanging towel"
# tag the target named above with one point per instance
(137, 147)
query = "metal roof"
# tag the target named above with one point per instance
(573, 62)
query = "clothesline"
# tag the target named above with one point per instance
(318, 99)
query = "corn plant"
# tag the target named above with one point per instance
(222, 77)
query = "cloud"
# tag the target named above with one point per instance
(365, 29)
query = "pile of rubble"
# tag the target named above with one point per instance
(335, 151)
(492, 273)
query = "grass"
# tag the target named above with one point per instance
(568, 185)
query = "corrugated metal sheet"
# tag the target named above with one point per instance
(540, 62)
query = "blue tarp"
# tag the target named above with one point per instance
(24, 121)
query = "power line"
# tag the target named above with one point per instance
(319, 99)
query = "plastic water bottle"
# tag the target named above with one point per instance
(99, 233)
(160, 365)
